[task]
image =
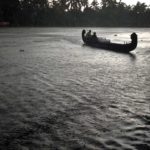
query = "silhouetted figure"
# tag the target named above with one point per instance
(88, 35)
(94, 37)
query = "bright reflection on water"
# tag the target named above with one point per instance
(56, 93)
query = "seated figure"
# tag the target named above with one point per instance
(88, 35)
(94, 37)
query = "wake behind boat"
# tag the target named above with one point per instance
(106, 44)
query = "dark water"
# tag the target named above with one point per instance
(56, 94)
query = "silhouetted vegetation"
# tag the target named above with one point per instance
(74, 13)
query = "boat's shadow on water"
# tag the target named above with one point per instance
(130, 54)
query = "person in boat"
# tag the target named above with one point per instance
(88, 35)
(94, 37)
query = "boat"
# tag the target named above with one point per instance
(108, 45)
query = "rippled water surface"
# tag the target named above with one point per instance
(56, 94)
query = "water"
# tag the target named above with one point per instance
(56, 94)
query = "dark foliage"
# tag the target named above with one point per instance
(73, 13)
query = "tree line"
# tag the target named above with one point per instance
(110, 13)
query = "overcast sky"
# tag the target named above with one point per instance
(131, 2)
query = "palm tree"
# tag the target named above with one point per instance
(94, 5)
(77, 5)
